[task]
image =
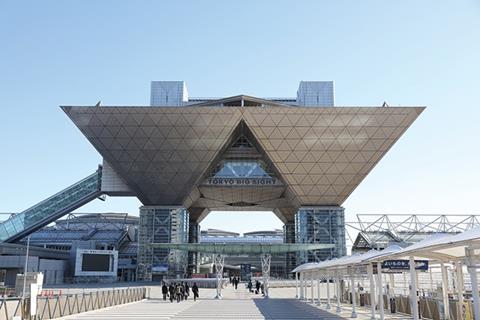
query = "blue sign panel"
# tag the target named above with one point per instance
(404, 265)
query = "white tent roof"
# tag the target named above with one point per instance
(444, 247)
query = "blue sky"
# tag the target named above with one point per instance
(405, 52)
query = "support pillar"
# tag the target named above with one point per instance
(311, 287)
(413, 289)
(460, 288)
(302, 275)
(446, 303)
(352, 290)
(193, 257)
(328, 306)
(372, 290)
(391, 290)
(266, 259)
(296, 285)
(472, 259)
(318, 290)
(289, 237)
(381, 309)
(219, 260)
(339, 293)
(472, 270)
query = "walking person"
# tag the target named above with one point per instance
(187, 290)
(257, 286)
(164, 291)
(250, 285)
(178, 292)
(171, 290)
(195, 291)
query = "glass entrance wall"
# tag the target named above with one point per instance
(241, 169)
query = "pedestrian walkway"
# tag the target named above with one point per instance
(236, 304)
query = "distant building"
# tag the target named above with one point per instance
(278, 267)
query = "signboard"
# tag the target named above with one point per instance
(245, 272)
(266, 181)
(404, 265)
(96, 262)
(160, 268)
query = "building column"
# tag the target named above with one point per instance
(161, 224)
(289, 237)
(320, 224)
(193, 257)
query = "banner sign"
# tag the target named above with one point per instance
(399, 265)
(267, 181)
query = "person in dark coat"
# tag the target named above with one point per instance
(187, 290)
(171, 290)
(257, 286)
(195, 291)
(236, 282)
(250, 285)
(164, 291)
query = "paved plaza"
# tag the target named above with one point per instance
(237, 304)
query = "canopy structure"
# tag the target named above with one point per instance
(233, 248)
(459, 250)
(219, 250)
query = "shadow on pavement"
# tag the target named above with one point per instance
(291, 309)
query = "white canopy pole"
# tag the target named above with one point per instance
(352, 291)
(380, 291)
(460, 287)
(446, 303)
(391, 291)
(328, 306)
(311, 287)
(472, 270)
(413, 289)
(296, 285)
(318, 289)
(301, 285)
(372, 290)
(339, 293)
(431, 280)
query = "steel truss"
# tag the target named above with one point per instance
(403, 227)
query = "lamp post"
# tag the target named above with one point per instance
(25, 268)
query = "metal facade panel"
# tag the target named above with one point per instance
(320, 154)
